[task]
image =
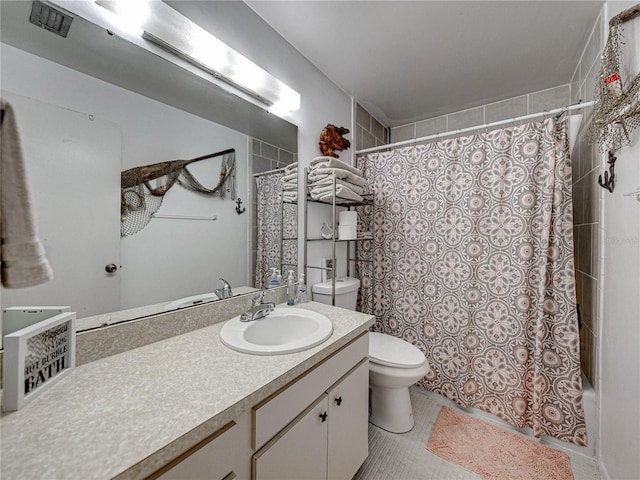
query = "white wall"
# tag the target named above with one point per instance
(619, 390)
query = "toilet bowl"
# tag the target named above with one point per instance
(394, 365)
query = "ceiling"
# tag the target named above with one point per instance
(410, 60)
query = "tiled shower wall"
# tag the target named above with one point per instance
(492, 112)
(369, 131)
(262, 158)
(587, 205)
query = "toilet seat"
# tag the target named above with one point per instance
(393, 352)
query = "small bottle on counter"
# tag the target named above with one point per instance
(302, 290)
(291, 288)
(273, 279)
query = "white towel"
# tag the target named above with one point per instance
(324, 173)
(329, 182)
(292, 167)
(290, 187)
(22, 253)
(290, 178)
(330, 162)
(326, 193)
(289, 196)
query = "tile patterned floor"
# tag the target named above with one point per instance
(405, 456)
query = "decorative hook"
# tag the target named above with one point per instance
(239, 210)
(609, 180)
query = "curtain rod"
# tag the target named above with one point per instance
(269, 172)
(576, 106)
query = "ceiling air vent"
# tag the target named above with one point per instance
(50, 19)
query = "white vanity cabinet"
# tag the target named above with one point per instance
(224, 455)
(316, 428)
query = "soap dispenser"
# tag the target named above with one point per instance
(291, 288)
(273, 279)
(302, 290)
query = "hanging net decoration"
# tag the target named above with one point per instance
(617, 109)
(143, 188)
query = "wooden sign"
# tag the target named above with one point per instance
(37, 357)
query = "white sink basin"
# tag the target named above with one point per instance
(285, 330)
(190, 301)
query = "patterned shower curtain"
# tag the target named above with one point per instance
(473, 264)
(272, 237)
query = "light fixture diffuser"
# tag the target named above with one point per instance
(174, 32)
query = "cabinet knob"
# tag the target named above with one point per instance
(323, 416)
(111, 268)
(338, 400)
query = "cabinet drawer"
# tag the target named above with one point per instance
(221, 456)
(275, 412)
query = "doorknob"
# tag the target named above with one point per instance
(111, 268)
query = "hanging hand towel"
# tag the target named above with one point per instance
(21, 254)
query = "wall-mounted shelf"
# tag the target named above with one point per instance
(336, 204)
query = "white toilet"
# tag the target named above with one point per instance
(394, 364)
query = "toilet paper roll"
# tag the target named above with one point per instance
(348, 218)
(347, 232)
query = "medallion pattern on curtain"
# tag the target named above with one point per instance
(272, 235)
(474, 265)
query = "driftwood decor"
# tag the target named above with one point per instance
(332, 140)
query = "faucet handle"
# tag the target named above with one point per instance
(259, 299)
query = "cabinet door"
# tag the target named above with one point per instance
(299, 452)
(348, 444)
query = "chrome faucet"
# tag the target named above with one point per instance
(258, 310)
(225, 291)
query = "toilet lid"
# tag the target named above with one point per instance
(393, 351)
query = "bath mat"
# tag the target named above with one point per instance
(494, 453)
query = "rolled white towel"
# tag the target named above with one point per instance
(326, 193)
(330, 162)
(289, 196)
(292, 167)
(290, 178)
(346, 175)
(329, 182)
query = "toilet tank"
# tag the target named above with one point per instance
(346, 292)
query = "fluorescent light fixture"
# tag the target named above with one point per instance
(130, 15)
(164, 26)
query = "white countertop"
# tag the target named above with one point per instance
(127, 415)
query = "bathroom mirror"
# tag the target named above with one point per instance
(177, 113)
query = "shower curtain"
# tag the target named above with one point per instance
(473, 264)
(274, 240)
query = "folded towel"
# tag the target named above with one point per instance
(290, 187)
(326, 193)
(290, 178)
(324, 173)
(330, 162)
(291, 168)
(289, 197)
(329, 182)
